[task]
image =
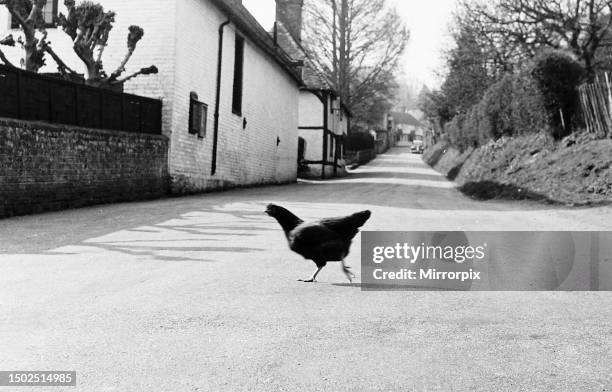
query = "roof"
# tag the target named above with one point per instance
(405, 118)
(418, 114)
(315, 81)
(313, 78)
(250, 27)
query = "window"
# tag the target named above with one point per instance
(198, 112)
(49, 13)
(238, 73)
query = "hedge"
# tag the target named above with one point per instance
(358, 141)
(527, 102)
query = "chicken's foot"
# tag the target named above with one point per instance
(347, 271)
(314, 277)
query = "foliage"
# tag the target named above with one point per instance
(436, 105)
(469, 70)
(455, 131)
(530, 101)
(512, 106)
(357, 44)
(528, 109)
(472, 66)
(497, 110)
(558, 76)
(356, 141)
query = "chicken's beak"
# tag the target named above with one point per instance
(269, 210)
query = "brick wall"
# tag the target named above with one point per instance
(45, 167)
(181, 38)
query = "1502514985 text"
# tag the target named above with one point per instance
(44, 378)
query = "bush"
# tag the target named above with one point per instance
(558, 75)
(432, 154)
(454, 130)
(529, 114)
(358, 141)
(497, 110)
(471, 126)
(512, 106)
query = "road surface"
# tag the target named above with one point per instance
(200, 294)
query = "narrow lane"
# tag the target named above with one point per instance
(203, 291)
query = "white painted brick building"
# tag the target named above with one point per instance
(256, 144)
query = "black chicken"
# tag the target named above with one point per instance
(320, 241)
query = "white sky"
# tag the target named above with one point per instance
(428, 24)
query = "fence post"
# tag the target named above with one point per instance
(123, 112)
(77, 104)
(49, 87)
(140, 116)
(19, 95)
(101, 112)
(160, 108)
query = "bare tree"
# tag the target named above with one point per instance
(357, 44)
(580, 26)
(28, 14)
(88, 25)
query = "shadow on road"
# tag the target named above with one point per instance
(488, 190)
(491, 190)
(391, 175)
(387, 287)
(233, 221)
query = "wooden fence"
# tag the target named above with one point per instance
(596, 101)
(30, 96)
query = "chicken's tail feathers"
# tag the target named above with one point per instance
(362, 217)
(347, 226)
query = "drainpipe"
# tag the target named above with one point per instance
(325, 124)
(213, 168)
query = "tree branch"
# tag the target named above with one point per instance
(144, 71)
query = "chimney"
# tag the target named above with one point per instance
(289, 13)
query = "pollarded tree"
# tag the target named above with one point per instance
(88, 25)
(28, 14)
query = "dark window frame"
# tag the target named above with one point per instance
(238, 85)
(198, 116)
(55, 12)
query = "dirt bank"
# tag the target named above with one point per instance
(575, 171)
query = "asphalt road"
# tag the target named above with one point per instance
(200, 294)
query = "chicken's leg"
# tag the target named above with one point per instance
(347, 271)
(313, 279)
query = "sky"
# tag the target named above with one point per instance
(427, 21)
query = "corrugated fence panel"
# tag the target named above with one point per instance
(9, 97)
(30, 96)
(35, 102)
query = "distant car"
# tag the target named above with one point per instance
(417, 147)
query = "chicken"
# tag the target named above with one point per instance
(321, 241)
